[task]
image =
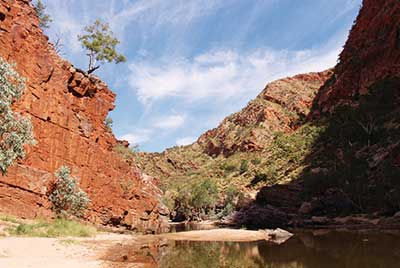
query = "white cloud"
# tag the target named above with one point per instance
(223, 74)
(169, 122)
(64, 25)
(162, 12)
(185, 141)
(137, 137)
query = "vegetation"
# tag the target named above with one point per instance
(67, 198)
(15, 130)
(127, 153)
(8, 218)
(44, 18)
(58, 228)
(256, 161)
(354, 151)
(358, 151)
(109, 123)
(244, 166)
(196, 200)
(100, 43)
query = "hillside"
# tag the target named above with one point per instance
(244, 146)
(67, 109)
(352, 167)
(340, 158)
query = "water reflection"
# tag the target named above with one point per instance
(305, 250)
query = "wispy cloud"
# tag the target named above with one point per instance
(185, 141)
(193, 62)
(137, 136)
(169, 122)
(223, 74)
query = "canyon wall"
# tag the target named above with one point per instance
(67, 109)
(371, 53)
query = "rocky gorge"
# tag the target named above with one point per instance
(314, 150)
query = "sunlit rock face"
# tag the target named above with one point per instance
(278, 108)
(68, 109)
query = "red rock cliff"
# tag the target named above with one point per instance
(68, 109)
(371, 53)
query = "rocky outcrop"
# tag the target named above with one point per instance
(68, 108)
(350, 174)
(371, 53)
(278, 108)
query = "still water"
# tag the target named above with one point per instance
(317, 249)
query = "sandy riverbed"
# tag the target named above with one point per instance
(102, 250)
(32, 252)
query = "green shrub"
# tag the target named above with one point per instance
(15, 130)
(58, 228)
(204, 195)
(44, 19)
(244, 166)
(256, 161)
(67, 198)
(259, 177)
(193, 200)
(228, 168)
(232, 198)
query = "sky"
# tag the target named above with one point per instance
(190, 63)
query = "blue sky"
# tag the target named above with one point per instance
(190, 63)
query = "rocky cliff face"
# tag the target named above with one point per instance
(371, 53)
(68, 109)
(280, 107)
(352, 166)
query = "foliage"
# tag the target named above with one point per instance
(256, 161)
(59, 228)
(228, 168)
(109, 123)
(196, 199)
(244, 166)
(232, 198)
(204, 194)
(15, 130)
(101, 44)
(127, 153)
(356, 150)
(44, 18)
(8, 218)
(67, 198)
(259, 177)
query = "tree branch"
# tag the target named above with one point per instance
(93, 69)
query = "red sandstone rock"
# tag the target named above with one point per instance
(371, 53)
(67, 109)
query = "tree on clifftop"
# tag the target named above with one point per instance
(44, 18)
(100, 44)
(15, 130)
